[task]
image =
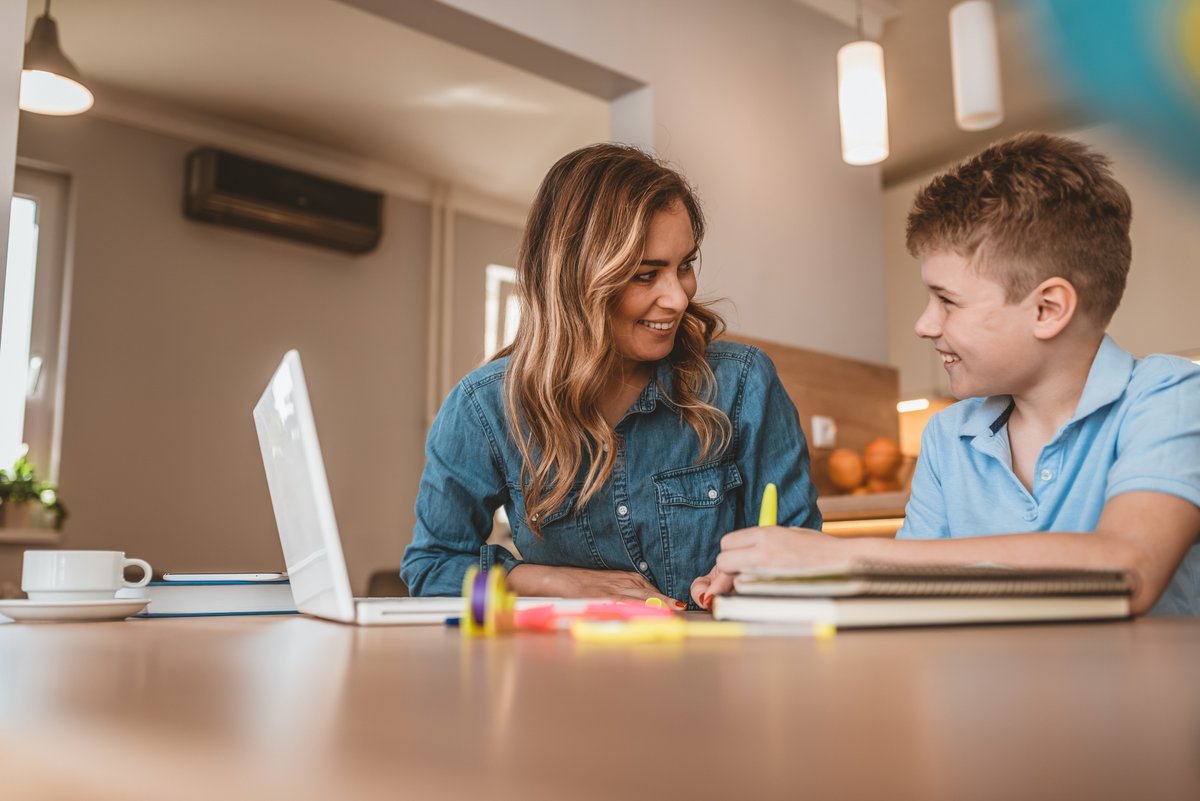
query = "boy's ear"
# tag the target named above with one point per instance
(1056, 301)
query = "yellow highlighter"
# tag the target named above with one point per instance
(767, 513)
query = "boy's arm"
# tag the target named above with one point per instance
(1144, 533)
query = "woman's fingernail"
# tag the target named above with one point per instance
(681, 605)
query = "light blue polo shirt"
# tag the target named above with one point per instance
(1137, 427)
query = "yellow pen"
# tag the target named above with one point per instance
(767, 513)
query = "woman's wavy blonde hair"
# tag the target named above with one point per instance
(583, 243)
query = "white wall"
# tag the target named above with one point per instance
(176, 327)
(477, 243)
(12, 25)
(744, 100)
(1158, 313)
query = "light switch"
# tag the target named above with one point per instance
(823, 431)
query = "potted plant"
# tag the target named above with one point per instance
(28, 502)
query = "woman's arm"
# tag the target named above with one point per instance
(579, 582)
(461, 487)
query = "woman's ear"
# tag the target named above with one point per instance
(1056, 302)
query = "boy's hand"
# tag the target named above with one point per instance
(705, 587)
(777, 547)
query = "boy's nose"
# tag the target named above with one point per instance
(927, 324)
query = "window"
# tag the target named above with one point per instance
(501, 311)
(33, 325)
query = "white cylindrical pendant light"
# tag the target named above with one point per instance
(975, 63)
(862, 103)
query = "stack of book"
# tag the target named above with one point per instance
(196, 594)
(871, 595)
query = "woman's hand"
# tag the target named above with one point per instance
(580, 582)
(776, 547)
(705, 587)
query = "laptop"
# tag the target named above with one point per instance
(312, 548)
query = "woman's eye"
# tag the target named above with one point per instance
(645, 278)
(945, 301)
(687, 266)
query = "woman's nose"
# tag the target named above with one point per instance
(672, 295)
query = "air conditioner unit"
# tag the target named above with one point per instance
(227, 189)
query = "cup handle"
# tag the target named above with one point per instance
(146, 572)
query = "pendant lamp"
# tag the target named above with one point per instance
(975, 64)
(862, 100)
(50, 83)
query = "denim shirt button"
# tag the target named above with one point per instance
(533, 518)
(712, 493)
(623, 510)
(642, 566)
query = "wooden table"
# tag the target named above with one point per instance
(282, 708)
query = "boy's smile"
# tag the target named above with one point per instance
(986, 344)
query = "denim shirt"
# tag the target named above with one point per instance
(663, 511)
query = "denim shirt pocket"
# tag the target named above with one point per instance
(566, 536)
(696, 507)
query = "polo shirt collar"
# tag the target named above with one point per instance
(1106, 382)
(988, 417)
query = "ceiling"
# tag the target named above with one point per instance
(915, 36)
(329, 73)
(916, 45)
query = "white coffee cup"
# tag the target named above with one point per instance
(78, 575)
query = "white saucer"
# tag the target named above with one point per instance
(47, 611)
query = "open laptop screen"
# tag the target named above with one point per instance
(287, 436)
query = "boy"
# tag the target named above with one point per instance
(1074, 452)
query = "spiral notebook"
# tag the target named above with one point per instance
(867, 595)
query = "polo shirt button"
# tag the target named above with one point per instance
(1047, 475)
(642, 566)
(622, 510)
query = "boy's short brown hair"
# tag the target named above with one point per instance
(1030, 208)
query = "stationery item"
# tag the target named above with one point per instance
(78, 575)
(217, 596)
(870, 595)
(677, 629)
(70, 611)
(489, 608)
(768, 512)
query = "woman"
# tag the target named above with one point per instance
(621, 440)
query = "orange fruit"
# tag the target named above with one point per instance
(882, 484)
(845, 469)
(881, 458)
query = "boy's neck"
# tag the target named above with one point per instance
(1051, 400)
